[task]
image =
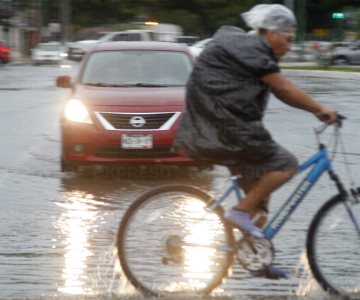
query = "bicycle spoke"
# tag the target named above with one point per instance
(336, 250)
(171, 244)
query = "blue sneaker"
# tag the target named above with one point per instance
(271, 272)
(241, 219)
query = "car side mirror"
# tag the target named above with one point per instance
(64, 81)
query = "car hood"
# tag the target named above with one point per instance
(130, 96)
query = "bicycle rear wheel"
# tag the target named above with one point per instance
(169, 242)
(333, 249)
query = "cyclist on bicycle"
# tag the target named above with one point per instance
(226, 98)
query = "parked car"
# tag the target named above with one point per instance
(4, 52)
(341, 44)
(199, 46)
(78, 49)
(125, 105)
(349, 55)
(132, 35)
(187, 39)
(48, 53)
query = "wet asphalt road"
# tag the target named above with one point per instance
(58, 230)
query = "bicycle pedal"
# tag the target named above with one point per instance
(255, 254)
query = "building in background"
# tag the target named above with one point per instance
(7, 11)
(21, 27)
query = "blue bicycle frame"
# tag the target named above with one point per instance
(320, 162)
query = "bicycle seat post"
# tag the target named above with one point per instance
(236, 186)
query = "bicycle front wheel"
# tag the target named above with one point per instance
(170, 242)
(333, 248)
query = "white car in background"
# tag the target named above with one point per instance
(76, 50)
(48, 53)
(198, 47)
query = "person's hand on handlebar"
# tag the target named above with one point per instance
(327, 115)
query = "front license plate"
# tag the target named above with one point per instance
(136, 141)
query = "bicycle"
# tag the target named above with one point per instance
(174, 238)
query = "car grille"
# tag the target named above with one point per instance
(114, 151)
(122, 121)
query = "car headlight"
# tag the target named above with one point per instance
(77, 112)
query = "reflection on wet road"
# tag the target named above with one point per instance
(58, 230)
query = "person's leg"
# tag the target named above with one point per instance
(261, 179)
(262, 188)
(259, 217)
(257, 193)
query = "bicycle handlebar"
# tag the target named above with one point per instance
(339, 120)
(338, 123)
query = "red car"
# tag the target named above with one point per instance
(4, 52)
(125, 105)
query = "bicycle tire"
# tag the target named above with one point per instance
(333, 247)
(157, 216)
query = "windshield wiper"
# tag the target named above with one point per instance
(146, 84)
(139, 84)
(103, 84)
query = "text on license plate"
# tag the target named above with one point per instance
(136, 141)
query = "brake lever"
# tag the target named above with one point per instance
(320, 129)
(338, 122)
(340, 119)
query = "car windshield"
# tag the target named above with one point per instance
(137, 68)
(45, 47)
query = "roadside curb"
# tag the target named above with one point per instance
(322, 74)
(19, 62)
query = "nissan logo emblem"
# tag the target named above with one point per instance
(137, 121)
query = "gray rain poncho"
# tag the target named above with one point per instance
(226, 99)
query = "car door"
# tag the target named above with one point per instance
(356, 54)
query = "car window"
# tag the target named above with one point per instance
(48, 47)
(127, 37)
(356, 46)
(137, 67)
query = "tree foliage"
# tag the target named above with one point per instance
(199, 17)
(196, 17)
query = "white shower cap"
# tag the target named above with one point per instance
(269, 16)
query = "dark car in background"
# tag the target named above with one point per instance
(4, 52)
(349, 55)
(125, 105)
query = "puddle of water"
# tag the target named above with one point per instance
(58, 230)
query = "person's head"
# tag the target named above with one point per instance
(276, 23)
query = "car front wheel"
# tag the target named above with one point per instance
(66, 167)
(341, 60)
